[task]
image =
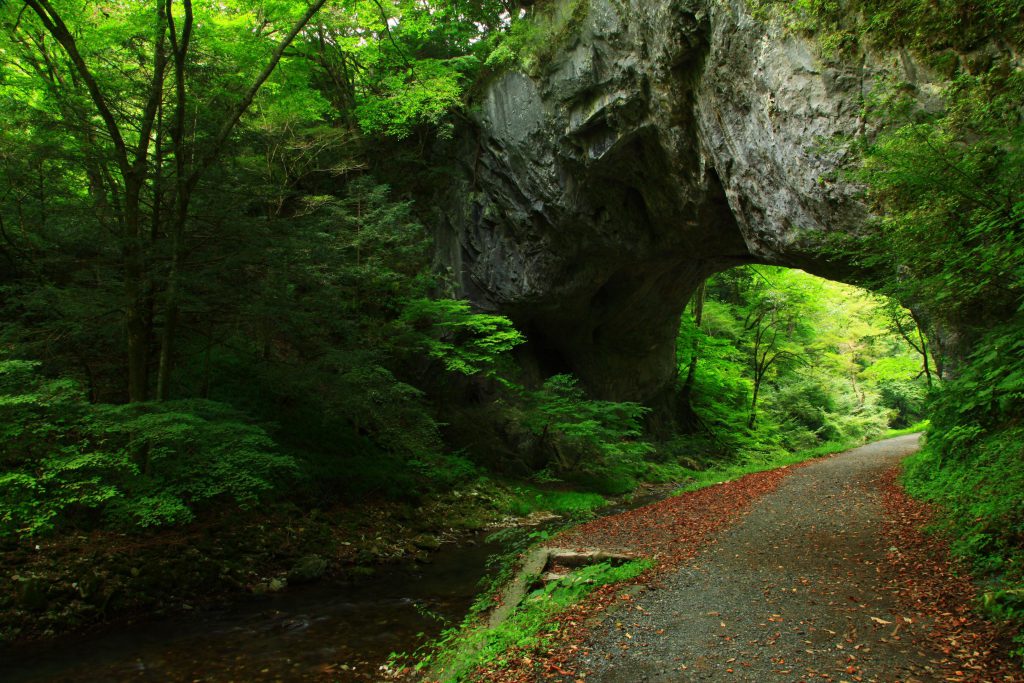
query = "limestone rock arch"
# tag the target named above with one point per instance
(664, 141)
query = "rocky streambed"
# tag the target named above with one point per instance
(295, 598)
(337, 630)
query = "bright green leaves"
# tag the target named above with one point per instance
(947, 188)
(48, 462)
(402, 64)
(989, 390)
(818, 356)
(596, 430)
(598, 443)
(950, 234)
(532, 39)
(136, 465)
(466, 342)
(422, 96)
(190, 452)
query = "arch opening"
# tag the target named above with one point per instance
(777, 355)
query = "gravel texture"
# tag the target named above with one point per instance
(794, 591)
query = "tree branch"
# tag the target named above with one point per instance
(156, 89)
(55, 26)
(246, 101)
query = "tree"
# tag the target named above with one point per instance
(694, 353)
(157, 135)
(790, 360)
(777, 328)
(910, 331)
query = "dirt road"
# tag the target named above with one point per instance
(794, 591)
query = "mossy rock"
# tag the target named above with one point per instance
(308, 569)
(32, 593)
(427, 542)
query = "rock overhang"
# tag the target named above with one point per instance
(664, 141)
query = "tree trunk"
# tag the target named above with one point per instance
(167, 338)
(698, 316)
(752, 422)
(136, 320)
(924, 354)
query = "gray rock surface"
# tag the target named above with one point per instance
(663, 141)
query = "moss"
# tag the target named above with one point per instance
(532, 42)
(936, 30)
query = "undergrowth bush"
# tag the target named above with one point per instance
(525, 500)
(595, 444)
(977, 480)
(66, 461)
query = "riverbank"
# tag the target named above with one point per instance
(705, 501)
(78, 582)
(74, 582)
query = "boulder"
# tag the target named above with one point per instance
(308, 569)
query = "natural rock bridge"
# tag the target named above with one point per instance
(664, 141)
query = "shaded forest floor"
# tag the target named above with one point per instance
(819, 574)
(77, 581)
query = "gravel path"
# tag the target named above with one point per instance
(792, 592)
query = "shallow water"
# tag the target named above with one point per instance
(323, 632)
(339, 633)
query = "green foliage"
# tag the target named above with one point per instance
(435, 90)
(946, 184)
(595, 443)
(188, 453)
(462, 650)
(525, 500)
(466, 342)
(917, 427)
(139, 465)
(947, 187)
(977, 479)
(49, 468)
(398, 68)
(930, 28)
(784, 360)
(752, 462)
(533, 38)
(231, 266)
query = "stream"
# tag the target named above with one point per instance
(336, 632)
(322, 632)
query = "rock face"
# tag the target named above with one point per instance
(663, 141)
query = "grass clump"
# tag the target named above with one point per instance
(525, 500)
(760, 462)
(462, 650)
(921, 426)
